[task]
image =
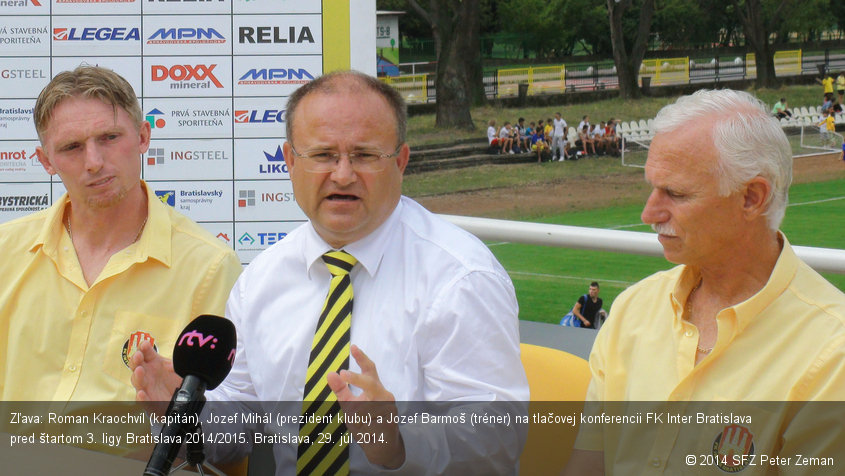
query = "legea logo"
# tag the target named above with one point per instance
(185, 72)
(255, 116)
(92, 34)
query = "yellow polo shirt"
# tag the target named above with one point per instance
(785, 345)
(62, 340)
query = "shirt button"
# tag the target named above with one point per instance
(688, 333)
(655, 462)
(72, 368)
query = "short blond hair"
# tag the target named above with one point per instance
(87, 82)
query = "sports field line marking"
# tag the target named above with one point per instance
(632, 225)
(815, 201)
(572, 278)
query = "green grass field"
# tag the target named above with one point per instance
(549, 280)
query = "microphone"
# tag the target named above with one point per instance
(203, 356)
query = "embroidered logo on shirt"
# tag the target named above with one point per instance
(131, 344)
(733, 449)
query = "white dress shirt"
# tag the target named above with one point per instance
(433, 309)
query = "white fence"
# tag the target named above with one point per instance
(823, 260)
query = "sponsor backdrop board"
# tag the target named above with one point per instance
(213, 78)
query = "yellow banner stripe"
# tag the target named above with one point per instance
(336, 28)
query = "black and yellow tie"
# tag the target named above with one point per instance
(329, 353)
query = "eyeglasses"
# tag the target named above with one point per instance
(323, 161)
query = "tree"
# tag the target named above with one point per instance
(455, 25)
(628, 52)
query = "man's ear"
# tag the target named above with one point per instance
(756, 197)
(287, 151)
(144, 132)
(45, 161)
(403, 157)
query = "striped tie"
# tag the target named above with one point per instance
(329, 353)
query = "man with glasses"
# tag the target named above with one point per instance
(434, 312)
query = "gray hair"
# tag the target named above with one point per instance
(749, 142)
(349, 80)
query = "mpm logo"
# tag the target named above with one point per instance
(185, 36)
(276, 76)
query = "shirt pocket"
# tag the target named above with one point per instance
(129, 330)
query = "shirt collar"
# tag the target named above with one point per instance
(154, 241)
(782, 274)
(369, 250)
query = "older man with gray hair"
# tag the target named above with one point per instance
(740, 319)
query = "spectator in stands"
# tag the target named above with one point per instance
(585, 121)
(584, 140)
(505, 139)
(597, 135)
(741, 318)
(559, 138)
(524, 135)
(614, 142)
(828, 102)
(781, 109)
(493, 137)
(548, 131)
(539, 145)
(588, 308)
(840, 86)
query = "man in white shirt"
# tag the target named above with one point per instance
(434, 311)
(559, 138)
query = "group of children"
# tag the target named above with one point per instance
(550, 140)
(830, 107)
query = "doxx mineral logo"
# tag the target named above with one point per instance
(186, 75)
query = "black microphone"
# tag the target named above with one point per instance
(203, 356)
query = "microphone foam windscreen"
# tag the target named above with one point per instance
(206, 349)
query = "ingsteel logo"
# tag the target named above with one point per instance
(185, 72)
(185, 36)
(276, 76)
(96, 34)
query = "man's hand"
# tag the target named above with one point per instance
(376, 401)
(153, 376)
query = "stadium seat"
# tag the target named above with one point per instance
(650, 124)
(802, 112)
(643, 125)
(624, 128)
(634, 126)
(553, 376)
